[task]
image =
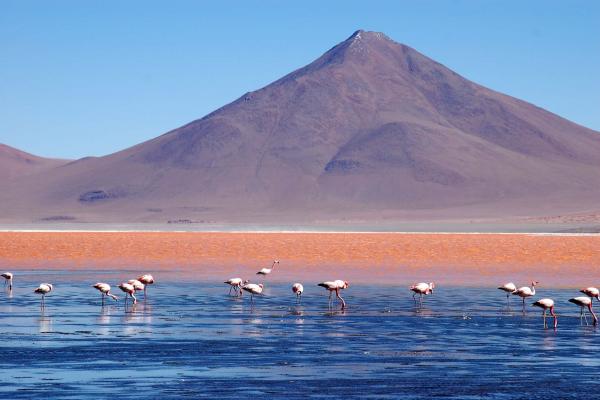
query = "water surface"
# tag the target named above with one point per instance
(191, 340)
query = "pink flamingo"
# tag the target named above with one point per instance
(547, 304)
(146, 279)
(267, 271)
(297, 288)
(128, 289)
(8, 278)
(591, 292)
(525, 292)
(253, 289)
(236, 284)
(104, 288)
(422, 289)
(335, 286)
(44, 289)
(584, 302)
(509, 288)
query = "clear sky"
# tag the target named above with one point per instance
(81, 78)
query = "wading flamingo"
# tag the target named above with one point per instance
(253, 289)
(8, 279)
(146, 279)
(422, 289)
(509, 288)
(592, 292)
(104, 288)
(525, 292)
(137, 285)
(547, 304)
(584, 302)
(335, 286)
(267, 271)
(297, 288)
(236, 284)
(128, 289)
(43, 289)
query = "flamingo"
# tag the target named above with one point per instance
(8, 279)
(128, 289)
(584, 302)
(43, 289)
(547, 304)
(137, 285)
(509, 288)
(422, 289)
(236, 284)
(297, 288)
(267, 271)
(146, 279)
(525, 291)
(253, 289)
(104, 288)
(591, 292)
(335, 286)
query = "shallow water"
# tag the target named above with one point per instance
(192, 340)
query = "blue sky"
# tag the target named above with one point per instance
(82, 78)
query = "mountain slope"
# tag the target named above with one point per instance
(15, 164)
(371, 128)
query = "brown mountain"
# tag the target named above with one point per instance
(15, 164)
(371, 129)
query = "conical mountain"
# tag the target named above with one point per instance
(370, 128)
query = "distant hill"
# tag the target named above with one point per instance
(372, 129)
(15, 163)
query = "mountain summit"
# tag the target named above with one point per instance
(372, 128)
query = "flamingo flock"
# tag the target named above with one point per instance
(238, 286)
(548, 304)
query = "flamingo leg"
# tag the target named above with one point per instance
(102, 299)
(545, 326)
(337, 294)
(230, 287)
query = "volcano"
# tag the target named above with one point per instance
(372, 129)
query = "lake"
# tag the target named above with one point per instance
(191, 340)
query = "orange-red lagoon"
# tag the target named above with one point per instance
(457, 259)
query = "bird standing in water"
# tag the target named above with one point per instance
(422, 289)
(267, 271)
(253, 289)
(509, 288)
(525, 292)
(591, 292)
(8, 279)
(335, 286)
(128, 289)
(146, 279)
(297, 289)
(547, 304)
(584, 302)
(236, 284)
(104, 288)
(43, 289)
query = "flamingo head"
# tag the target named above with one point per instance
(260, 285)
(346, 284)
(534, 283)
(247, 281)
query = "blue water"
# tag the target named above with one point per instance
(191, 340)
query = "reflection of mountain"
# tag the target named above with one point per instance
(371, 126)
